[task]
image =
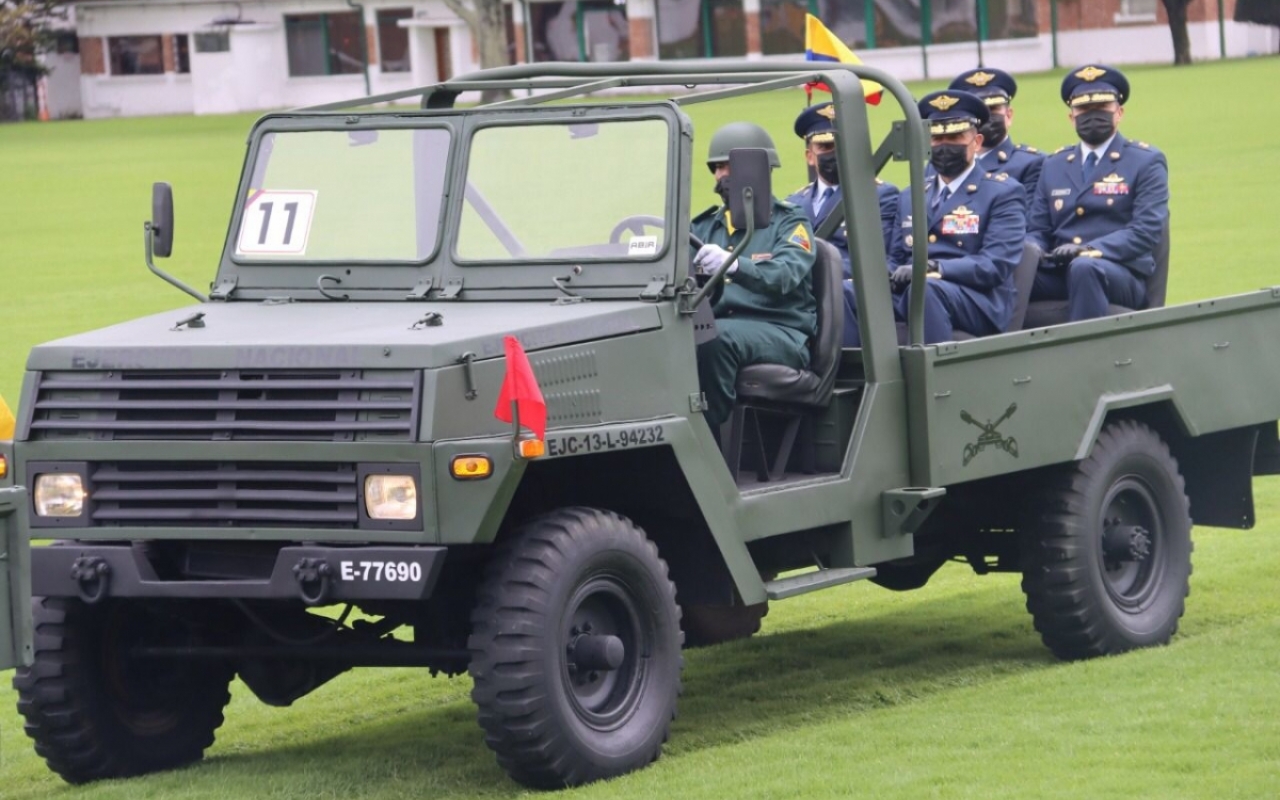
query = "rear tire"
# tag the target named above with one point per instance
(569, 576)
(97, 712)
(1107, 549)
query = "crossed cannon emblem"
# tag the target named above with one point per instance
(990, 437)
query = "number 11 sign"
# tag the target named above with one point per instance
(276, 223)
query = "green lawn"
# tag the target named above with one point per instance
(943, 693)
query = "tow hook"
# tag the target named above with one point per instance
(92, 576)
(314, 580)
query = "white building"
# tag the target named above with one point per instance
(140, 57)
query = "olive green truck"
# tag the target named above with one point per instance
(221, 487)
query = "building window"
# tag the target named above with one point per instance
(324, 44)
(213, 42)
(136, 55)
(66, 43)
(782, 26)
(393, 41)
(701, 29)
(182, 53)
(1137, 11)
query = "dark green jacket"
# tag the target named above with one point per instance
(773, 282)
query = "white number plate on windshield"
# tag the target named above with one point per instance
(276, 223)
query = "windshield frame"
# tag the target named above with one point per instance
(249, 280)
(464, 161)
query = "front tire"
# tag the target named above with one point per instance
(575, 650)
(1107, 548)
(95, 711)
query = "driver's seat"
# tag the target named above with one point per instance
(789, 392)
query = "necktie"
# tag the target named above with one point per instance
(822, 201)
(1090, 162)
(941, 197)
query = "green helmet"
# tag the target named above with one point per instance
(740, 134)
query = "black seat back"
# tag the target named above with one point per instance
(1024, 275)
(828, 292)
(1158, 282)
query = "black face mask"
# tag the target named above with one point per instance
(828, 169)
(1095, 127)
(994, 132)
(722, 189)
(950, 159)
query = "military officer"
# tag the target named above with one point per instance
(766, 313)
(999, 154)
(816, 126)
(977, 225)
(1101, 204)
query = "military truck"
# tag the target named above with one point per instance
(224, 485)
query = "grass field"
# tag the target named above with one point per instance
(940, 693)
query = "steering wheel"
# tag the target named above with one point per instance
(636, 224)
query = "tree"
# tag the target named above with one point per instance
(1177, 11)
(25, 33)
(488, 25)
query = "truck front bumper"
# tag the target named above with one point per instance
(315, 575)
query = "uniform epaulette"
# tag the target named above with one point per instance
(1002, 176)
(879, 182)
(706, 214)
(784, 204)
(1028, 148)
(1063, 149)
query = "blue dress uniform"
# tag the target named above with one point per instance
(766, 313)
(1115, 211)
(975, 236)
(998, 88)
(816, 124)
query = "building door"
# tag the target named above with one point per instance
(444, 56)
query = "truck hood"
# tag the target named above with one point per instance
(353, 335)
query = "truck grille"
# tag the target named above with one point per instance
(227, 405)
(210, 494)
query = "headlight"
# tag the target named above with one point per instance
(391, 497)
(59, 494)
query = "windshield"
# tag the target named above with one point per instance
(359, 195)
(567, 191)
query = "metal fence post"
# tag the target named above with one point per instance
(1053, 29)
(926, 34)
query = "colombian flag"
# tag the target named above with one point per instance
(820, 44)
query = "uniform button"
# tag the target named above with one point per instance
(1110, 201)
(728, 281)
(1079, 211)
(729, 248)
(933, 238)
(960, 242)
(1077, 240)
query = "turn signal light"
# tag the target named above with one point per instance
(471, 468)
(7, 422)
(4, 467)
(531, 448)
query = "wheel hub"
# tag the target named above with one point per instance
(1124, 543)
(595, 653)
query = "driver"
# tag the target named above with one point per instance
(766, 313)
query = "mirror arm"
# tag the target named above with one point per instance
(148, 244)
(690, 306)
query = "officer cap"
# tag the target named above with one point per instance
(739, 134)
(817, 123)
(995, 86)
(1095, 83)
(953, 111)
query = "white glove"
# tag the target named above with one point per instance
(711, 258)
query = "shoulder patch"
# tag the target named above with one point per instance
(1063, 149)
(1003, 176)
(1028, 148)
(800, 237)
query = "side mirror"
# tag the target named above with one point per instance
(162, 219)
(749, 168)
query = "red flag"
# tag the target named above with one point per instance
(519, 386)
